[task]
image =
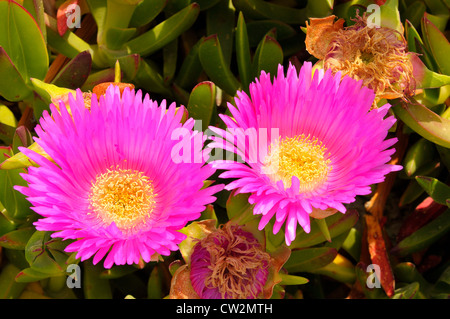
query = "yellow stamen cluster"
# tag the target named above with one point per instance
(123, 196)
(300, 156)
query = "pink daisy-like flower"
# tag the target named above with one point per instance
(112, 185)
(307, 143)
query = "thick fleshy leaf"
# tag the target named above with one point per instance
(164, 33)
(20, 160)
(93, 286)
(45, 254)
(129, 65)
(30, 275)
(293, 280)
(215, 66)
(308, 259)
(190, 69)
(257, 29)
(220, 21)
(146, 11)
(154, 285)
(268, 56)
(418, 154)
(390, 16)
(202, 102)
(117, 271)
(437, 43)
(150, 78)
(424, 77)
(410, 291)
(261, 10)
(17, 239)
(340, 269)
(352, 243)
(50, 92)
(8, 124)
(74, 73)
(15, 202)
(425, 236)
(424, 122)
(439, 191)
(9, 288)
(116, 37)
(12, 84)
(337, 224)
(27, 50)
(243, 52)
(414, 13)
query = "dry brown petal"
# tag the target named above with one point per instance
(180, 286)
(320, 33)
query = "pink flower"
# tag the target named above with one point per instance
(307, 144)
(112, 185)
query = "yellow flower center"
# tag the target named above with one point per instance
(123, 196)
(299, 156)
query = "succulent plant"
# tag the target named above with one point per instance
(204, 54)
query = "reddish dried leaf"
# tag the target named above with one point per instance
(423, 214)
(378, 254)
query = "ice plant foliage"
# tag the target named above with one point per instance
(112, 186)
(229, 263)
(329, 147)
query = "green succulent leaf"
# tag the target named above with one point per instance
(418, 154)
(95, 287)
(146, 11)
(215, 66)
(437, 44)
(439, 191)
(12, 85)
(149, 77)
(27, 50)
(45, 254)
(9, 287)
(293, 280)
(16, 204)
(164, 33)
(309, 259)
(243, 52)
(268, 56)
(425, 236)
(261, 10)
(424, 122)
(202, 102)
(337, 224)
(17, 239)
(410, 291)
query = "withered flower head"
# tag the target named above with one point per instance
(376, 55)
